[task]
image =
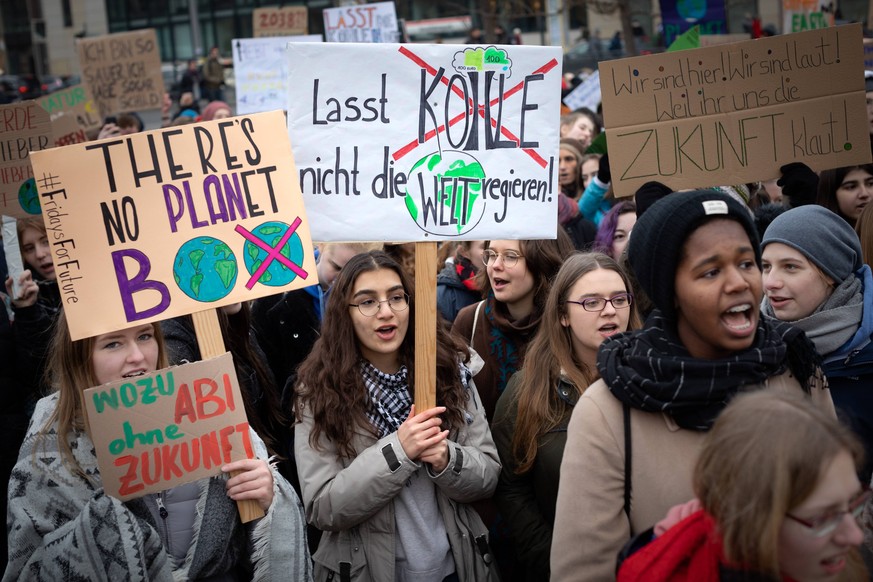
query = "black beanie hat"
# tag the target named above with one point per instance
(656, 244)
(648, 194)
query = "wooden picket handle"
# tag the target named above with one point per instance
(212, 345)
(425, 325)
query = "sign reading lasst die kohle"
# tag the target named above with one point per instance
(736, 113)
(123, 71)
(426, 142)
(376, 22)
(24, 127)
(164, 223)
(168, 428)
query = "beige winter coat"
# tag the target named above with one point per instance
(590, 523)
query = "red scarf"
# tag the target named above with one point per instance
(690, 551)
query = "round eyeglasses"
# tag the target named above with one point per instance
(510, 258)
(370, 307)
(825, 524)
(620, 301)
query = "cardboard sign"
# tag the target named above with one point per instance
(67, 131)
(274, 21)
(261, 70)
(720, 39)
(736, 113)
(75, 101)
(123, 71)
(24, 127)
(586, 94)
(168, 222)
(375, 22)
(801, 15)
(167, 428)
(426, 142)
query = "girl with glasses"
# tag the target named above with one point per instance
(784, 511)
(635, 434)
(63, 526)
(390, 485)
(588, 302)
(515, 284)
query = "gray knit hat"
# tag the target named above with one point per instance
(655, 248)
(823, 237)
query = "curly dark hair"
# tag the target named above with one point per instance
(329, 381)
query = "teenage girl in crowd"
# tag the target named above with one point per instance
(846, 191)
(580, 230)
(614, 231)
(635, 434)
(816, 280)
(589, 301)
(786, 511)
(390, 485)
(582, 124)
(515, 285)
(457, 285)
(63, 526)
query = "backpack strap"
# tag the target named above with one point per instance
(475, 321)
(628, 455)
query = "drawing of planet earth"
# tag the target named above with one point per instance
(277, 274)
(205, 269)
(464, 205)
(28, 197)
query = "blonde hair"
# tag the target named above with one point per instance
(69, 372)
(763, 457)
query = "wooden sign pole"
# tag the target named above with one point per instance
(211, 345)
(425, 325)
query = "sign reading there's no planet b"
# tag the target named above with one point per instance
(164, 223)
(426, 142)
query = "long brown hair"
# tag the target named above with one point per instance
(550, 354)
(70, 371)
(763, 457)
(542, 258)
(329, 379)
(864, 228)
(829, 181)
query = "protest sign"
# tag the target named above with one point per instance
(678, 16)
(736, 113)
(66, 130)
(800, 15)
(75, 101)
(720, 39)
(168, 222)
(261, 71)
(12, 252)
(426, 142)
(375, 22)
(275, 21)
(24, 127)
(123, 71)
(167, 428)
(586, 94)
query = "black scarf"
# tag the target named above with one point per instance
(652, 371)
(390, 400)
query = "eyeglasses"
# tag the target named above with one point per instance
(510, 258)
(370, 307)
(825, 524)
(620, 301)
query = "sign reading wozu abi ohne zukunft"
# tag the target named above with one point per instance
(164, 223)
(168, 428)
(426, 142)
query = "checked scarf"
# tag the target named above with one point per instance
(390, 400)
(651, 370)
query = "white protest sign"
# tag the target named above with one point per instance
(426, 142)
(586, 94)
(14, 264)
(261, 72)
(368, 23)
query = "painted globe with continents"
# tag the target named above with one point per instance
(28, 197)
(691, 10)
(205, 269)
(278, 272)
(444, 193)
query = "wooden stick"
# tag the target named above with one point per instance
(211, 345)
(425, 325)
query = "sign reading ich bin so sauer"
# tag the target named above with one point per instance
(169, 222)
